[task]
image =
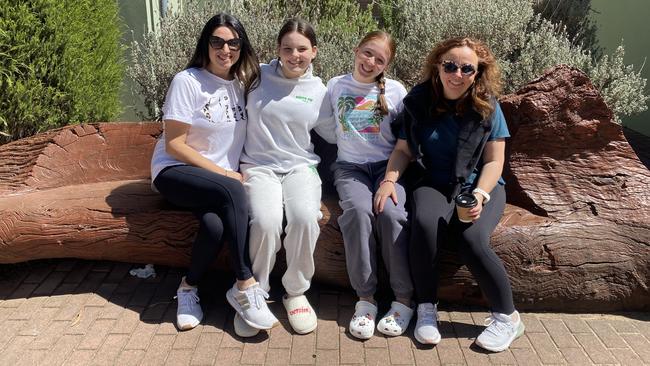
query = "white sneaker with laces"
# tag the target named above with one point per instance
(251, 306)
(426, 328)
(242, 329)
(362, 324)
(188, 312)
(302, 316)
(501, 331)
(397, 319)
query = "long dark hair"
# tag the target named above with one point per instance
(487, 83)
(246, 69)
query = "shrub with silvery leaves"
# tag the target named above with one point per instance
(524, 43)
(339, 25)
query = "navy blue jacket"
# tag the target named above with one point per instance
(419, 110)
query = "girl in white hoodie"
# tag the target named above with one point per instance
(279, 167)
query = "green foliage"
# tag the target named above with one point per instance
(339, 25)
(60, 63)
(620, 85)
(575, 16)
(419, 24)
(524, 42)
(526, 36)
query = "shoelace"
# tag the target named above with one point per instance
(187, 299)
(496, 326)
(428, 313)
(258, 294)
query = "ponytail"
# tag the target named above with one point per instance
(382, 106)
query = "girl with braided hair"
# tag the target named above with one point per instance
(364, 104)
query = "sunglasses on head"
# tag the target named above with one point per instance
(450, 67)
(217, 43)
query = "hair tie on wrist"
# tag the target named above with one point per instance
(386, 181)
(486, 196)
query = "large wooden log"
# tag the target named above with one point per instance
(570, 163)
(84, 191)
(575, 236)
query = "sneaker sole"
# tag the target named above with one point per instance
(235, 305)
(188, 326)
(520, 332)
(422, 341)
(246, 332)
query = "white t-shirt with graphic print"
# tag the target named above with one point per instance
(362, 134)
(216, 112)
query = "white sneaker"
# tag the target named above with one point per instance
(396, 320)
(501, 330)
(242, 329)
(362, 324)
(300, 313)
(188, 312)
(426, 328)
(251, 306)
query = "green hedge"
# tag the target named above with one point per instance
(60, 63)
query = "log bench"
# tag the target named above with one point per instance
(575, 235)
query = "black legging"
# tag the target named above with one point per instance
(434, 219)
(221, 206)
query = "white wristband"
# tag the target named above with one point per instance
(486, 196)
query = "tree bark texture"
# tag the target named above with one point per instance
(575, 235)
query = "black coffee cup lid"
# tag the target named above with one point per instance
(466, 200)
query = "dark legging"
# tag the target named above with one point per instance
(220, 205)
(434, 221)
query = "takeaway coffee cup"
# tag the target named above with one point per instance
(464, 202)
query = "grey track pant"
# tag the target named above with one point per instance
(297, 194)
(362, 229)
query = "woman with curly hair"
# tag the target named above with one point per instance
(453, 127)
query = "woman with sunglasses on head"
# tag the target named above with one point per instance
(365, 103)
(279, 168)
(453, 127)
(195, 163)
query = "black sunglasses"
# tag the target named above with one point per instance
(450, 67)
(233, 44)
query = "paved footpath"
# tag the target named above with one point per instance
(74, 312)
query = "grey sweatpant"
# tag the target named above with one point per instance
(297, 195)
(362, 229)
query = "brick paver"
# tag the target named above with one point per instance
(76, 312)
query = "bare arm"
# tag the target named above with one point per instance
(493, 160)
(175, 145)
(397, 163)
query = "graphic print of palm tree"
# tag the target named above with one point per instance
(345, 105)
